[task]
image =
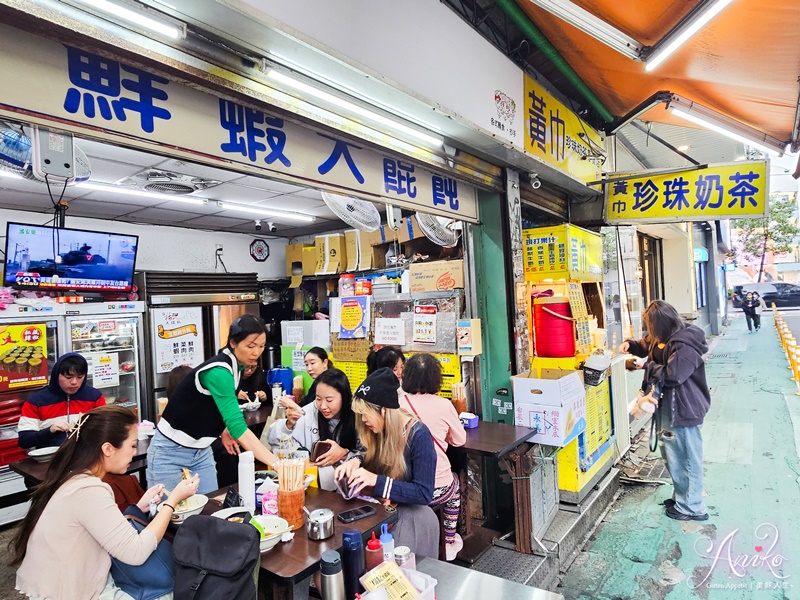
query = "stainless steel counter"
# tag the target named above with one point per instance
(459, 583)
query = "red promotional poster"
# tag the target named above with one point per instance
(23, 356)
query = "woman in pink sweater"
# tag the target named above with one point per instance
(65, 543)
(422, 380)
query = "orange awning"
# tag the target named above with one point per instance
(744, 64)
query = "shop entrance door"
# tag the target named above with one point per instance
(652, 275)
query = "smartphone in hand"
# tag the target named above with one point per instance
(355, 514)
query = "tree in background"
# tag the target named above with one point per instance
(776, 233)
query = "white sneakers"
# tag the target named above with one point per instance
(451, 550)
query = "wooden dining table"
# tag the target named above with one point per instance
(34, 471)
(287, 568)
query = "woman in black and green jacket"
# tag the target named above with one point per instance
(203, 405)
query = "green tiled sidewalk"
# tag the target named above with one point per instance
(752, 480)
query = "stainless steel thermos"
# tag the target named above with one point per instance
(331, 579)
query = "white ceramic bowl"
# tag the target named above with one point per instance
(194, 506)
(43, 455)
(250, 406)
(274, 527)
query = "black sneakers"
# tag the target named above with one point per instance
(674, 513)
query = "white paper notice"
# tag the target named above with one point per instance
(294, 334)
(390, 332)
(177, 337)
(424, 325)
(335, 313)
(298, 360)
(105, 369)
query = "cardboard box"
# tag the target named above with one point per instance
(297, 256)
(331, 254)
(556, 408)
(409, 230)
(350, 350)
(358, 246)
(436, 276)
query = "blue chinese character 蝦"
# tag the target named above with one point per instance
(340, 149)
(99, 83)
(398, 178)
(445, 189)
(276, 138)
(537, 122)
(620, 187)
(242, 125)
(675, 191)
(645, 195)
(709, 186)
(744, 190)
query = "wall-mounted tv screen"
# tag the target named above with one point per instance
(49, 258)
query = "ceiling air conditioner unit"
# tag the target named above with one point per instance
(168, 182)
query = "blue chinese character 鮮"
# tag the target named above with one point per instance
(744, 190)
(398, 178)
(340, 149)
(709, 186)
(645, 195)
(675, 191)
(103, 78)
(445, 189)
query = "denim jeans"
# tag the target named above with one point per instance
(682, 447)
(166, 459)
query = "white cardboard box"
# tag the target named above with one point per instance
(309, 333)
(556, 408)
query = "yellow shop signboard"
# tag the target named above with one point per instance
(562, 252)
(558, 136)
(733, 190)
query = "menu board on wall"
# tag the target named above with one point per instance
(178, 337)
(23, 356)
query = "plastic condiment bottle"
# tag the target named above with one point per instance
(354, 562)
(247, 480)
(374, 553)
(331, 578)
(387, 543)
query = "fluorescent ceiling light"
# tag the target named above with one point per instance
(705, 117)
(679, 35)
(115, 10)
(593, 26)
(265, 212)
(115, 189)
(431, 140)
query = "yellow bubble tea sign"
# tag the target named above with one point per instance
(734, 190)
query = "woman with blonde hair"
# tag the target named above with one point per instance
(73, 528)
(399, 465)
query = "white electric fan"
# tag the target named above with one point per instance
(440, 230)
(357, 213)
(16, 152)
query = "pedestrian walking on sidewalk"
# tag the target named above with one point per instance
(750, 307)
(675, 349)
(760, 307)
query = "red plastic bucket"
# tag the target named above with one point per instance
(553, 328)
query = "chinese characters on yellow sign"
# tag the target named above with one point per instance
(23, 356)
(557, 135)
(734, 190)
(562, 252)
